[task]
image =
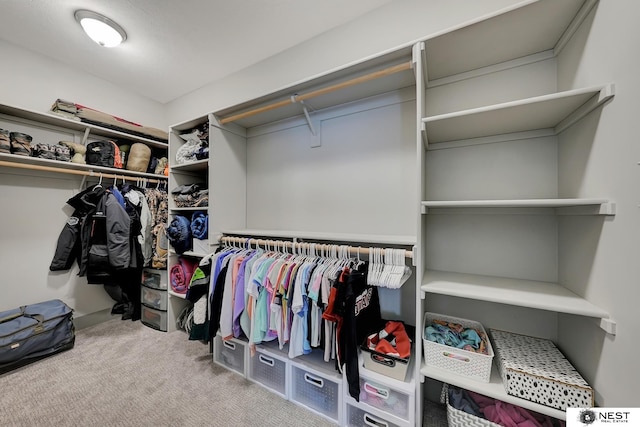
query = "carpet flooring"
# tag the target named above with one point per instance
(122, 373)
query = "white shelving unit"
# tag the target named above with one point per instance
(536, 32)
(182, 174)
(247, 145)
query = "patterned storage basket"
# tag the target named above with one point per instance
(534, 369)
(462, 362)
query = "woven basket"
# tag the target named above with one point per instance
(462, 362)
(458, 418)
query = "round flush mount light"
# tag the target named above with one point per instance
(100, 29)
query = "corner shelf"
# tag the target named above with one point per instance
(517, 292)
(556, 111)
(494, 388)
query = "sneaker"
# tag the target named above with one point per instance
(20, 143)
(5, 144)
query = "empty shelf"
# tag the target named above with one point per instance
(517, 292)
(556, 111)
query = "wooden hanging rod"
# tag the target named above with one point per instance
(77, 172)
(297, 98)
(353, 250)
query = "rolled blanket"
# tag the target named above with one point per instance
(179, 234)
(199, 225)
(181, 274)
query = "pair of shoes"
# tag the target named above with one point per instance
(128, 311)
(118, 308)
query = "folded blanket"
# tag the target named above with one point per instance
(181, 274)
(179, 234)
(199, 199)
(189, 188)
(199, 225)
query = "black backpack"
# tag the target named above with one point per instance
(100, 153)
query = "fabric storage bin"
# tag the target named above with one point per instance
(154, 298)
(201, 246)
(534, 369)
(156, 279)
(385, 398)
(153, 318)
(358, 417)
(230, 354)
(462, 362)
(270, 371)
(315, 390)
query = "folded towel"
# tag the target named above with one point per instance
(199, 225)
(181, 274)
(179, 234)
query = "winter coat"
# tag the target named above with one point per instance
(97, 235)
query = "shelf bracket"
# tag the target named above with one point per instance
(608, 325)
(85, 137)
(317, 141)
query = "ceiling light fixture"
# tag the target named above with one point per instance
(100, 29)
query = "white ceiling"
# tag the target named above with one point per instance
(173, 46)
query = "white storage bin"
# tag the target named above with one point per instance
(317, 391)
(462, 362)
(358, 417)
(270, 371)
(230, 354)
(154, 298)
(153, 278)
(153, 318)
(385, 398)
(201, 246)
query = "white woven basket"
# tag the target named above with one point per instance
(462, 362)
(458, 418)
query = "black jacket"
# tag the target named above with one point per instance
(96, 235)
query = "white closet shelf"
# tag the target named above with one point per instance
(59, 121)
(188, 253)
(198, 165)
(555, 111)
(26, 160)
(335, 237)
(513, 32)
(517, 292)
(177, 295)
(494, 388)
(564, 206)
(191, 209)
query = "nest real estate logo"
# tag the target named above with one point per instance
(588, 417)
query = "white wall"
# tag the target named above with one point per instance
(32, 81)
(599, 158)
(30, 227)
(399, 23)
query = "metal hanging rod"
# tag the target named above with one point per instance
(78, 172)
(302, 97)
(353, 250)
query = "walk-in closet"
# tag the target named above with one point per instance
(424, 215)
